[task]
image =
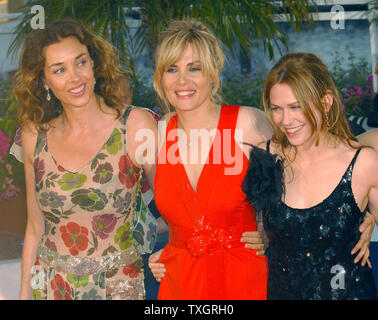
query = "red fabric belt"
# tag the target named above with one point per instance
(207, 238)
(212, 241)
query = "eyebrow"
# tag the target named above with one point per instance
(189, 64)
(290, 104)
(60, 63)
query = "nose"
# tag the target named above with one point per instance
(181, 77)
(286, 117)
(74, 74)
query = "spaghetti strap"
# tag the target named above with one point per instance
(268, 145)
(351, 165)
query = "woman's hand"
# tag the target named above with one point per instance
(366, 229)
(158, 269)
(256, 240)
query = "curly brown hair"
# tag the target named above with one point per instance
(28, 81)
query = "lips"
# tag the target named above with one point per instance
(78, 91)
(293, 131)
(185, 93)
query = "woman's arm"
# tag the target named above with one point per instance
(372, 179)
(255, 127)
(256, 131)
(370, 139)
(35, 223)
(369, 175)
(142, 139)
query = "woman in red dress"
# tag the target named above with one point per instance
(200, 169)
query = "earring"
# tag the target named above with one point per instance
(94, 81)
(48, 97)
(327, 121)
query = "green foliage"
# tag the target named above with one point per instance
(235, 23)
(12, 177)
(143, 93)
(355, 82)
(243, 88)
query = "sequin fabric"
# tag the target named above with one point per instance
(310, 249)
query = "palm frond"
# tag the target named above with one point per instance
(236, 23)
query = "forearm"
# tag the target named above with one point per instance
(162, 226)
(29, 254)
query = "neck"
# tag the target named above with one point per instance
(312, 152)
(82, 118)
(202, 118)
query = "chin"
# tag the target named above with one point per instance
(301, 141)
(79, 102)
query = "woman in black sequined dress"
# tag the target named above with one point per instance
(313, 186)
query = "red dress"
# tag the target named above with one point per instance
(204, 257)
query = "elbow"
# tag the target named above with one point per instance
(34, 229)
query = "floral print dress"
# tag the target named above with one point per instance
(95, 224)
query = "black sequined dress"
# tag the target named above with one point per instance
(310, 248)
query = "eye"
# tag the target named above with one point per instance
(82, 62)
(171, 69)
(274, 109)
(298, 107)
(57, 71)
(194, 69)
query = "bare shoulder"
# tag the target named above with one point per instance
(140, 118)
(29, 130)
(250, 114)
(255, 125)
(29, 135)
(368, 159)
(369, 138)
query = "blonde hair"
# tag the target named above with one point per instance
(310, 81)
(172, 44)
(28, 81)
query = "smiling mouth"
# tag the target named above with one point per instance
(292, 131)
(185, 94)
(77, 90)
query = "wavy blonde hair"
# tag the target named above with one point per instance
(172, 44)
(28, 81)
(310, 81)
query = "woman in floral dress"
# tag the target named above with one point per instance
(83, 171)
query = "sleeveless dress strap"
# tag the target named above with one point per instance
(41, 142)
(229, 117)
(123, 120)
(351, 165)
(268, 145)
(126, 113)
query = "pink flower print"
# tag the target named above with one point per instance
(103, 225)
(51, 245)
(145, 186)
(128, 173)
(39, 169)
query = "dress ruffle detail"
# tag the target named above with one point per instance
(263, 184)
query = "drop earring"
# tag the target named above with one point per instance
(327, 121)
(48, 97)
